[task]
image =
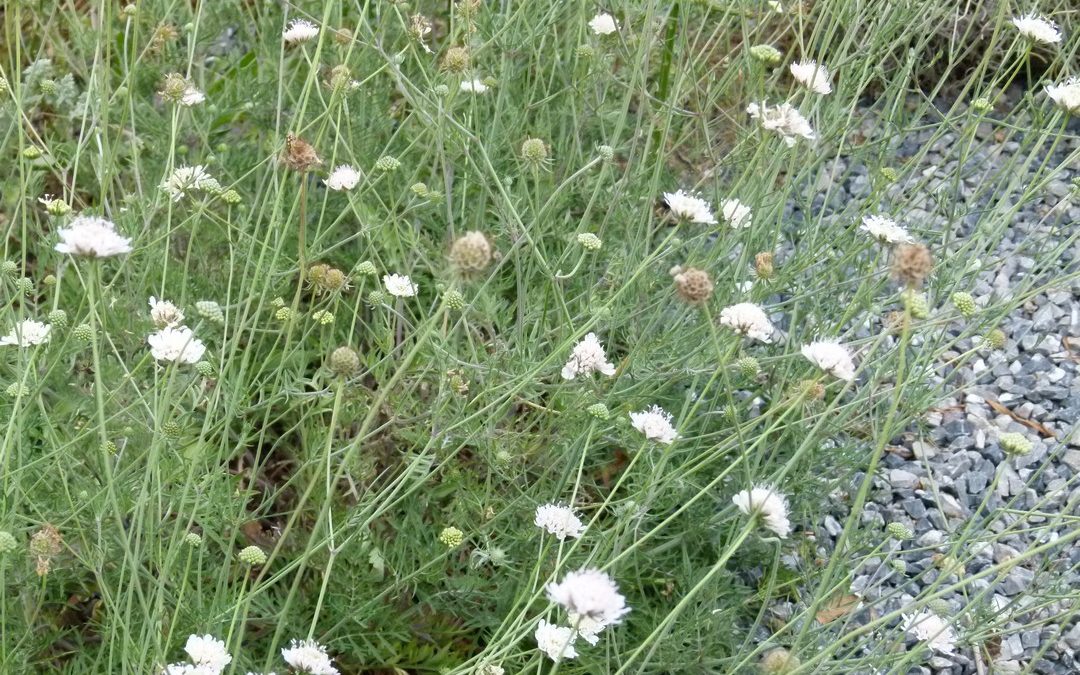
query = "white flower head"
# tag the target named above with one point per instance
(689, 207)
(1037, 29)
(473, 86)
(399, 285)
(783, 119)
(558, 520)
(655, 423)
(747, 319)
(555, 641)
(92, 237)
(1066, 94)
(588, 628)
(832, 357)
(590, 593)
(586, 358)
(191, 97)
(490, 669)
(164, 313)
(603, 24)
(208, 652)
(344, 177)
(189, 669)
(27, 333)
(737, 214)
(885, 230)
(299, 30)
(176, 345)
(813, 76)
(769, 504)
(308, 656)
(187, 179)
(932, 629)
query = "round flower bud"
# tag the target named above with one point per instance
(24, 285)
(344, 361)
(767, 54)
(204, 368)
(456, 60)
(58, 318)
(171, 430)
(589, 241)
(83, 332)
(376, 297)
(193, 539)
(366, 268)
(982, 105)
(253, 556)
(748, 367)
(454, 299)
(210, 310)
(387, 163)
(1014, 444)
(343, 36)
(108, 447)
(606, 152)
(964, 303)
(7, 542)
(939, 606)
(693, 285)
(599, 411)
(451, 537)
(911, 264)
(322, 317)
(284, 314)
(49, 280)
(779, 661)
(585, 52)
(534, 151)
(17, 389)
(441, 90)
(9, 268)
(471, 253)
(231, 197)
(899, 531)
(763, 266)
(996, 338)
(32, 152)
(898, 566)
(915, 303)
(419, 189)
(889, 174)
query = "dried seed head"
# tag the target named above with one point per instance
(456, 60)
(45, 544)
(174, 87)
(471, 253)
(317, 272)
(779, 661)
(343, 36)
(911, 264)
(693, 285)
(335, 280)
(534, 151)
(163, 35)
(763, 265)
(299, 155)
(344, 361)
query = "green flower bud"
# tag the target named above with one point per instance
(965, 304)
(193, 539)
(599, 411)
(451, 537)
(589, 241)
(58, 318)
(205, 368)
(252, 556)
(1014, 444)
(767, 54)
(387, 163)
(454, 299)
(83, 333)
(171, 430)
(366, 268)
(344, 361)
(748, 367)
(899, 531)
(8, 544)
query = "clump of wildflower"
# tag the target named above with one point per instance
(299, 30)
(599, 411)
(770, 505)
(164, 313)
(915, 303)
(399, 285)
(590, 593)
(1066, 95)
(767, 54)
(187, 179)
(451, 537)
(693, 285)
(885, 230)
(55, 207)
(784, 119)
(252, 556)
(8, 544)
(178, 89)
(92, 237)
(603, 24)
(586, 358)
(193, 539)
(690, 208)
(308, 656)
(748, 367)
(747, 319)
(557, 642)
(1037, 29)
(456, 60)
(558, 520)
(534, 151)
(45, 544)
(813, 76)
(964, 303)
(589, 241)
(932, 629)
(471, 253)
(344, 361)
(299, 155)
(387, 163)
(367, 269)
(343, 178)
(831, 357)
(27, 333)
(176, 345)
(655, 424)
(911, 264)
(779, 661)
(1014, 444)
(899, 531)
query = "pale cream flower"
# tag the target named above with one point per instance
(747, 319)
(586, 358)
(885, 230)
(300, 30)
(308, 656)
(832, 357)
(1038, 29)
(932, 629)
(1066, 94)
(603, 24)
(769, 504)
(164, 313)
(399, 285)
(191, 97)
(783, 119)
(689, 207)
(208, 652)
(186, 179)
(591, 593)
(655, 423)
(176, 345)
(813, 76)
(473, 86)
(737, 214)
(342, 178)
(27, 333)
(92, 237)
(555, 641)
(558, 520)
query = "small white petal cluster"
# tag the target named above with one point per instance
(655, 423)
(558, 520)
(1066, 94)
(784, 119)
(191, 97)
(473, 86)
(747, 319)
(92, 237)
(490, 669)
(590, 593)
(188, 669)
(399, 285)
(344, 177)
(603, 24)
(588, 628)
(737, 214)
(813, 76)
(164, 313)
(187, 179)
(176, 345)
(885, 230)
(27, 333)
(932, 629)
(555, 641)
(1038, 29)
(769, 504)
(586, 358)
(832, 357)
(308, 656)
(208, 657)
(689, 207)
(299, 30)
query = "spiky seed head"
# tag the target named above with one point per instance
(252, 556)
(456, 60)
(174, 87)
(912, 263)
(471, 253)
(1014, 444)
(335, 280)
(964, 303)
(763, 266)
(899, 531)
(344, 361)
(693, 285)
(317, 272)
(534, 151)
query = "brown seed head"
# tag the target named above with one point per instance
(45, 544)
(779, 661)
(456, 60)
(471, 253)
(693, 285)
(298, 154)
(763, 265)
(911, 264)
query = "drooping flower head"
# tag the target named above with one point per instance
(1037, 29)
(590, 593)
(299, 30)
(208, 652)
(932, 629)
(655, 423)
(885, 230)
(344, 177)
(308, 656)
(164, 313)
(92, 237)
(769, 504)
(557, 642)
(558, 520)
(783, 119)
(689, 207)
(586, 358)
(27, 333)
(603, 24)
(399, 285)
(747, 319)
(832, 357)
(176, 345)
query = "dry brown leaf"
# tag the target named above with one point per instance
(836, 607)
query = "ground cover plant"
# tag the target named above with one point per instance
(497, 337)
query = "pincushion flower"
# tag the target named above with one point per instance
(832, 357)
(783, 119)
(603, 24)
(655, 423)
(208, 652)
(191, 97)
(344, 177)
(586, 358)
(690, 208)
(299, 30)
(1066, 95)
(1037, 29)
(932, 629)
(164, 313)
(187, 179)
(27, 333)
(770, 505)
(558, 520)
(399, 285)
(92, 237)
(590, 593)
(747, 319)
(555, 641)
(737, 214)
(176, 345)
(473, 86)
(885, 230)
(812, 75)
(308, 656)
(587, 627)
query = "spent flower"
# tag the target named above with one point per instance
(586, 358)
